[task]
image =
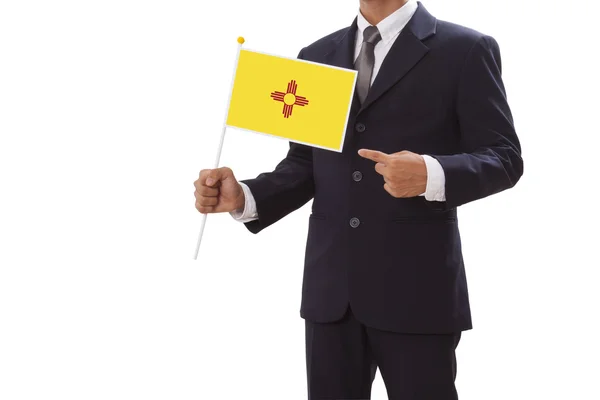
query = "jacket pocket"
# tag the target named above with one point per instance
(425, 219)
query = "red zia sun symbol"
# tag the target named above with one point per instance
(289, 99)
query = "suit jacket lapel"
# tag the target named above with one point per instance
(405, 53)
(343, 56)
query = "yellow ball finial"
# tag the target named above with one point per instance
(241, 40)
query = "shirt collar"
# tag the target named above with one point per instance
(392, 24)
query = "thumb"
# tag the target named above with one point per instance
(216, 175)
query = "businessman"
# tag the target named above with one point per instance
(429, 130)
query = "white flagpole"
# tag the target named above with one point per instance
(218, 158)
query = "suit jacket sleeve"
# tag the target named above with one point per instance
(490, 159)
(285, 189)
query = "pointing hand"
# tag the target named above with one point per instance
(404, 173)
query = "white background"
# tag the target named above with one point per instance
(109, 109)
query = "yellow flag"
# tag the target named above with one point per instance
(298, 100)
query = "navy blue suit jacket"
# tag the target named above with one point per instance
(439, 92)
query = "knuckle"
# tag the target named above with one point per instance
(393, 192)
(204, 209)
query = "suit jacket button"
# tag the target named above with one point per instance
(357, 176)
(360, 127)
(354, 222)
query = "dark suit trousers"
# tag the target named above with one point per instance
(342, 358)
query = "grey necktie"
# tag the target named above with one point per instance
(365, 61)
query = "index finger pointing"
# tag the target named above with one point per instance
(373, 155)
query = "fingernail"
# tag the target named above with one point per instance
(210, 181)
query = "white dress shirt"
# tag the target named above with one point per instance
(389, 28)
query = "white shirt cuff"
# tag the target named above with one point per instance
(436, 180)
(249, 212)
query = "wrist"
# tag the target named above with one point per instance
(240, 201)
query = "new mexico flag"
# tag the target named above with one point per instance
(298, 100)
